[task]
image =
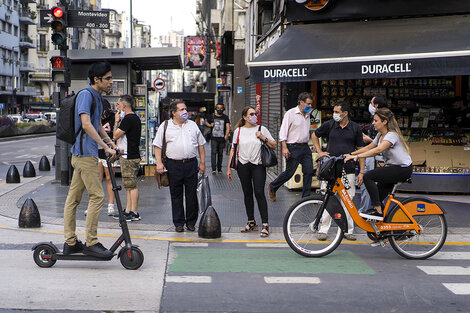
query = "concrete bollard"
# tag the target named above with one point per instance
(29, 215)
(29, 170)
(44, 164)
(13, 176)
(209, 226)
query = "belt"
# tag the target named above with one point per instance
(297, 144)
(183, 160)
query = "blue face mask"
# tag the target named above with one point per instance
(307, 109)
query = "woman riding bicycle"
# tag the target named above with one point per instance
(398, 165)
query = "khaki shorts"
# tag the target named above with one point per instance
(129, 171)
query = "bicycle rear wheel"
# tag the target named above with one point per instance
(299, 231)
(410, 245)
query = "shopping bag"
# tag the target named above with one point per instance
(203, 191)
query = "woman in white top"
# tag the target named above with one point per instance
(396, 153)
(251, 172)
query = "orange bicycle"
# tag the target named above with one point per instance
(415, 227)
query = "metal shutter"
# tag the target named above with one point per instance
(274, 120)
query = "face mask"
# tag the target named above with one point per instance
(220, 112)
(253, 120)
(337, 117)
(372, 109)
(123, 114)
(184, 115)
(307, 109)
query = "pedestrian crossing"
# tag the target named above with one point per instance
(450, 270)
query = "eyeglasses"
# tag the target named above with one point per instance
(107, 78)
(253, 114)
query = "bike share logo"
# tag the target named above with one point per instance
(346, 197)
(386, 68)
(421, 207)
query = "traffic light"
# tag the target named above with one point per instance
(211, 46)
(60, 73)
(59, 27)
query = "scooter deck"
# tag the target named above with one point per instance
(81, 257)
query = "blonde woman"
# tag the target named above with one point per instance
(390, 143)
(251, 172)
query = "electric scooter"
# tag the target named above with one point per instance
(46, 254)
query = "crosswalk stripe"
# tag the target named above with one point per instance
(266, 245)
(190, 244)
(459, 289)
(445, 270)
(189, 279)
(291, 280)
(452, 256)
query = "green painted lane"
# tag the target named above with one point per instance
(211, 260)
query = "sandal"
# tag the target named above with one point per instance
(250, 226)
(265, 231)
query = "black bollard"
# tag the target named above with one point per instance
(53, 161)
(209, 226)
(44, 164)
(28, 170)
(29, 215)
(13, 176)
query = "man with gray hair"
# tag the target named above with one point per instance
(128, 134)
(184, 141)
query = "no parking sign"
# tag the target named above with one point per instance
(159, 84)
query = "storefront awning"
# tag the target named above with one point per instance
(414, 47)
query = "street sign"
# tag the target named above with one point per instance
(159, 84)
(239, 90)
(2, 106)
(78, 18)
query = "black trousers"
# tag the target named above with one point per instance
(298, 154)
(253, 177)
(217, 152)
(183, 175)
(379, 182)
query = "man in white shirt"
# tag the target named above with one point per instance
(294, 136)
(184, 141)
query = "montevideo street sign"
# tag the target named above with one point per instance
(78, 18)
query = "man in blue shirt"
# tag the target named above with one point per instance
(85, 163)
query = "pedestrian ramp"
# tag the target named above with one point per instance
(458, 288)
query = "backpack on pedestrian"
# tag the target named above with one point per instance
(65, 129)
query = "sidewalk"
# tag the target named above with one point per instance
(155, 206)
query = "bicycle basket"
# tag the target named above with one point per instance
(329, 169)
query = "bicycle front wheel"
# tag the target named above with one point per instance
(299, 228)
(415, 246)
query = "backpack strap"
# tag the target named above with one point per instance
(92, 110)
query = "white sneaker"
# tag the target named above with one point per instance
(86, 211)
(110, 209)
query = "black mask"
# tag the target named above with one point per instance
(220, 111)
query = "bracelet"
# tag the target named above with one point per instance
(266, 140)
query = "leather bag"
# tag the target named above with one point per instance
(162, 179)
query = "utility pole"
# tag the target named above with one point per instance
(131, 29)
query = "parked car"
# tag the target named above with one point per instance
(35, 117)
(50, 116)
(17, 118)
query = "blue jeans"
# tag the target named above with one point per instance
(365, 198)
(298, 154)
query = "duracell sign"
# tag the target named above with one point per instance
(286, 73)
(386, 68)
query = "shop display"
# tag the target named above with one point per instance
(140, 108)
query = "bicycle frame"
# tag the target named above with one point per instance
(403, 221)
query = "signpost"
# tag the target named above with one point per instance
(159, 84)
(78, 18)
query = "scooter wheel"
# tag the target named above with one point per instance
(131, 259)
(42, 256)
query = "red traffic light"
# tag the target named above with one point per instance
(57, 12)
(58, 62)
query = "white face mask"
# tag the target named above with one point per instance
(123, 114)
(337, 117)
(372, 109)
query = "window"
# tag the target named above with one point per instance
(42, 43)
(15, 31)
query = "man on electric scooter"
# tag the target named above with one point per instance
(85, 163)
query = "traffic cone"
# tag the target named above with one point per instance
(13, 176)
(44, 164)
(209, 226)
(53, 161)
(28, 170)
(29, 215)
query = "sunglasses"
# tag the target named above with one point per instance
(253, 114)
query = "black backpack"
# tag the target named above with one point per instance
(65, 129)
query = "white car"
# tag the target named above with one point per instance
(18, 119)
(50, 116)
(35, 117)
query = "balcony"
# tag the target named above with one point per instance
(114, 33)
(27, 91)
(27, 16)
(27, 67)
(26, 42)
(28, 1)
(41, 75)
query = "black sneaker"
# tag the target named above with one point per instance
(219, 171)
(372, 215)
(76, 248)
(132, 216)
(116, 215)
(97, 250)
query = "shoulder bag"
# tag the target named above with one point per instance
(268, 156)
(162, 179)
(234, 160)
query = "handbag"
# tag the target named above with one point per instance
(234, 160)
(268, 156)
(162, 179)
